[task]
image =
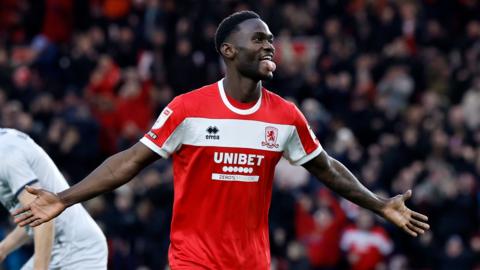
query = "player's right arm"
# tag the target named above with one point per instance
(112, 173)
(162, 140)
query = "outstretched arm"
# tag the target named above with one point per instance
(112, 173)
(338, 178)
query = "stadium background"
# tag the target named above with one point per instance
(391, 88)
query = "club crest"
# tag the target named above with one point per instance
(271, 135)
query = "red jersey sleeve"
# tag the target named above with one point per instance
(166, 135)
(302, 145)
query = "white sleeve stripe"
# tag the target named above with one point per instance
(175, 140)
(295, 151)
(236, 133)
(152, 146)
(309, 157)
(171, 144)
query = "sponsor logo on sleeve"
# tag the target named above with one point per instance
(164, 115)
(152, 135)
(271, 135)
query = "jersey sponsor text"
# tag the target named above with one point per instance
(238, 158)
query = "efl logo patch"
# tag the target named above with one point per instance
(271, 135)
(164, 115)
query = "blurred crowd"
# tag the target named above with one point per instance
(390, 87)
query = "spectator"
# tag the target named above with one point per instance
(365, 244)
(323, 241)
(391, 86)
(455, 255)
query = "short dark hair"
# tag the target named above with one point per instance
(228, 25)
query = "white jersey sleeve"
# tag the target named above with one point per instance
(166, 135)
(302, 145)
(16, 172)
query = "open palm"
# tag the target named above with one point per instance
(399, 214)
(46, 206)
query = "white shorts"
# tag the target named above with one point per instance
(91, 257)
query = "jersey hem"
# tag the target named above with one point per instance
(152, 146)
(309, 157)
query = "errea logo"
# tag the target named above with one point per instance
(212, 133)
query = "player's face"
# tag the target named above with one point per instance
(255, 50)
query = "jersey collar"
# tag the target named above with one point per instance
(235, 109)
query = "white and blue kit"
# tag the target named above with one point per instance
(78, 243)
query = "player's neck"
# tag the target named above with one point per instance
(242, 89)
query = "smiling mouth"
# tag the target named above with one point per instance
(267, 57)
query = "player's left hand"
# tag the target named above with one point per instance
(399, 214)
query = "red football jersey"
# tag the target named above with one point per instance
(223, 162)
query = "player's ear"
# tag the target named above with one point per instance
(228, 50)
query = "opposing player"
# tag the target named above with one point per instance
(73, 240)
(225, 140)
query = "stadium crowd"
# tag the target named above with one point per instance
(390, 87)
